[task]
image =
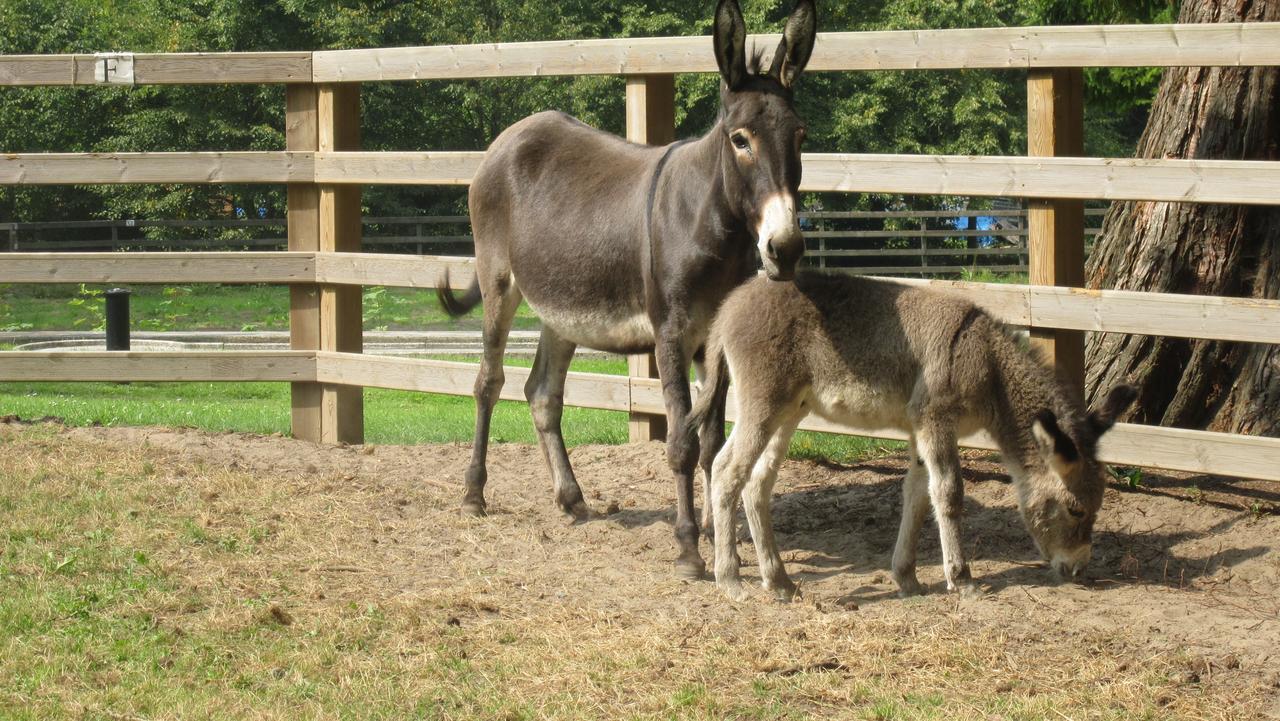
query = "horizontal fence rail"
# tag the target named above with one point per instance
(160, 68)
(994, 48)
(1247, 44)
(154, 366)
(1030, 306)
(1190, 181)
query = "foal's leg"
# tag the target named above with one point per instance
(500, 303)
(915, 504)
(545, 392)
(757, 498)
(730, 473)
(682, 452)
(936, 443)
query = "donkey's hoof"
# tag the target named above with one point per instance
(473, 508)
(690, 568)
(576, 512)
(908, 587)
(969, 591)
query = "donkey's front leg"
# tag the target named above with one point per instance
(682, 450)
(937, 446)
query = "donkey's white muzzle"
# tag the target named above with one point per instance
(778, 235)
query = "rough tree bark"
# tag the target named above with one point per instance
(1209, 113)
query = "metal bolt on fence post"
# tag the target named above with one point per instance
(117, 300)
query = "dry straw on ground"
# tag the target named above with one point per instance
(295, 580)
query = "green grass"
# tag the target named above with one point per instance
(977, 274)
(217, 307)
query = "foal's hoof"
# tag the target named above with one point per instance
(690, 568)
(472, 508)
(785, 594)
(734, 590)
(969, 591)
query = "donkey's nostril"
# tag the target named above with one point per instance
(771, 251)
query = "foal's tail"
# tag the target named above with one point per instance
(714, 390)
(452, 304)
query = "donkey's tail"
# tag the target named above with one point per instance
(714, 390)
(452, 304)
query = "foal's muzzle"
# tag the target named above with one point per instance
(1070, 565)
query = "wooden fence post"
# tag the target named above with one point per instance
(302, 133)
(1055, 228)
(651, 118)
(324, 218)
(341, 324)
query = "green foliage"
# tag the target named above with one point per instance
(8, 320)
(168, 313)
(88, 306)
(969, 112)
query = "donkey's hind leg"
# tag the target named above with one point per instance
(710, 441)
(915, 505)
(500, 302)
(545, 392)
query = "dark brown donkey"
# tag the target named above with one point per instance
(629, 248)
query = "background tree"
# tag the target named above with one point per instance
(1218, 113)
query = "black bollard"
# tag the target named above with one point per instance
(117, 319)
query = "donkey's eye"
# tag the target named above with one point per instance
(1076, 513)
(740, 141)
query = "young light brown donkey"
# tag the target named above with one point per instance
(881, 354)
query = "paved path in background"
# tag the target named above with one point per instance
(463, 342)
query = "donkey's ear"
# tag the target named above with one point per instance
(797, 44)
(1058, 449)
(730, 38)
(1118, 401)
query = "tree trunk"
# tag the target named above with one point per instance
(1198, 113)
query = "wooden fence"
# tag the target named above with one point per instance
(324, 169)
(926, 243)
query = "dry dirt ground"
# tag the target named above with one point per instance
(1182, 618)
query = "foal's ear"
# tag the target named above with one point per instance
(1118, 401)
(729, 35)
(797, 43)
(1058, 449)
